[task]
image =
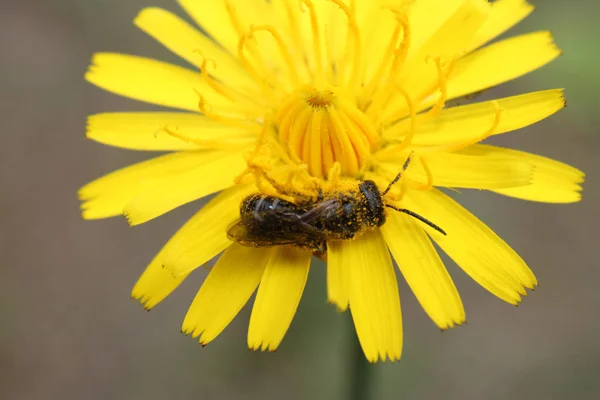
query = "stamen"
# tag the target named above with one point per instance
(342, 147)
(402, 51)
(325, 126)
(260, 143)
(392, 150)
(269, 155)
(261, 80)
(413, 121)
(327, 151)
(396, 53)
(314, 23)
(295, 34)
(224, 90)
(233, 16)
(240, 30)
(293, 156)
(360, 120)
(439, 105)
(299, 129)
(403, 189)
(205, 144)
(282, 47)
(378, 76)
(287, 117)
(298, 170)
(288, 189)
(206, 109)
(355, 33)
(356, 134)
(311, 149)
(427, 186)
(442, 79)
(334, 174)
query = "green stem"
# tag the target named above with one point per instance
(359, 370)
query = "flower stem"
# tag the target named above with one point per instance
(359, 370)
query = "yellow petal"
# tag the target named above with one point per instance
(148, 131)
(473, 246)
(184, 187)
(501, 62)
(470, 122)
(278, 296)
(188, 43)
(373, 293)
(292, 20)
(106, 196)
(227, 21)
(466, 171)
(155, 284)
(419, 75)
(377, 28)
(423, 269)
(551, 182)
(154, 82)
(205, 235)
(195, 243)
(337, 275)
(505, 14)
(214, 18)
(426, 18)
(226, 289)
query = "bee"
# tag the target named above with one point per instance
(272, 221)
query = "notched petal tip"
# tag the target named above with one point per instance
(453, 324)
(130, 220)
(391, 358)
(202, 342)
(141, 299)
(94, 64)
(256, 347)
(262, 347)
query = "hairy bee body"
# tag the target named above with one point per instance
(271, 221)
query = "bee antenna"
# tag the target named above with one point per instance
(417, 216)
(397, 178)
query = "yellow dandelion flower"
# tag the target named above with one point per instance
(308, 98)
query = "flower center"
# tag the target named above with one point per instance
(324, 126)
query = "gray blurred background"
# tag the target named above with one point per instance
(68, 329)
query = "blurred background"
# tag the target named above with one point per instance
(69, 330)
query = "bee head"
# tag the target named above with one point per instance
(375, 214)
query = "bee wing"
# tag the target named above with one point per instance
(321, 210)
(240, 233)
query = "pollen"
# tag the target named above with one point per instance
(325, 126)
